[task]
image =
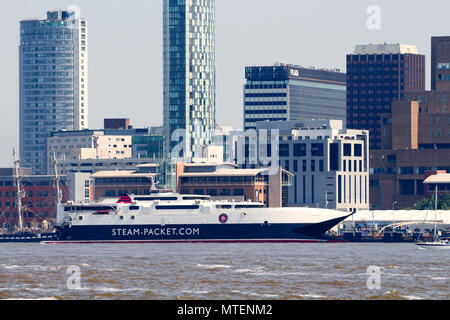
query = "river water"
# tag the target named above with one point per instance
(223, 271)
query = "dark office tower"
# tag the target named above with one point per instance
(377, 75)
(189, 73)
(289, 92)
(440, 63)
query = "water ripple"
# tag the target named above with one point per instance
(223, 271)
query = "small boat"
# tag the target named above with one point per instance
(440, 243)
(444, 242)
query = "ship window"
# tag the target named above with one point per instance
(121, 217)
(155, 198)
(224, 206)
(80, 218)
(133, 217)
(240, 206)
(178, 207)
(89, 208)
(196, 197)
(134, 207)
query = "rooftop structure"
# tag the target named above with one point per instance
(385, 49)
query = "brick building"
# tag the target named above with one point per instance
(414, 139)
(227, 182)
(109, 184)
(38, 201)
(440, 63)
(377, 75)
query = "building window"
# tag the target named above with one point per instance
(313, 165)
(300, 149)
(317, 149)
(357, 149)
(110, 193)
(284, 150)
(406, 170)
(198, 191)
(347, 149)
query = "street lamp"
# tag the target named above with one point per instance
(393, 211)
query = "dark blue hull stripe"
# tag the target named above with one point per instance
(192, 233)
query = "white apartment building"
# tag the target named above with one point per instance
(64, 146)
(330, 165)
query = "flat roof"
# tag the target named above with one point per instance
(225, 172)
(418, 216)
(230, 172)
(385, 48)
(438, 178)
(146, 165)
(121, 174)
(209, 164)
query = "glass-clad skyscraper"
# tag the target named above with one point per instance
(288, 92)
(189, 74)
(53, 59)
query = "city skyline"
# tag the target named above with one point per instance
(249, 38)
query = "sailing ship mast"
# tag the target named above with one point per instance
(17, 181)
(435, 210)
(57, 182)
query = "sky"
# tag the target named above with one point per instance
(125, 48)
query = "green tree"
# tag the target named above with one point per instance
(424, 204)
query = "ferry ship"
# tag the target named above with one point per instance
(172, 217)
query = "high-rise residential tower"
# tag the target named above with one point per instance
(377, 76)
(189, 74)
(53, 60)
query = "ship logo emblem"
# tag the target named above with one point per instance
(223, 218)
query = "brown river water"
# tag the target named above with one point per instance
(223, 271)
